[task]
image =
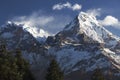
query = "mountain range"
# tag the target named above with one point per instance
(81, 47)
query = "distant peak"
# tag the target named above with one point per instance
(9, 22)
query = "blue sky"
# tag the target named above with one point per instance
(26, 10)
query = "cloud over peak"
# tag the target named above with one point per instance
(110, 21)
(68, 5)
(94, 12)
(35, 19)
(107, 21)
(39, 21)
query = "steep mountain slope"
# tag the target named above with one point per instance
(85, 45)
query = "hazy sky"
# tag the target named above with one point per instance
(53, 15)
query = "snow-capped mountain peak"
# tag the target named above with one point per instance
(36, 32)
(86, 17)
(88, 25)
(9, 22)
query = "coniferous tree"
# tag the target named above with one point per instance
(13, 66)
(54, 72)
(8, 67)
(97, 75)
(23, 66)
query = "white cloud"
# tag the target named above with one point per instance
(39, 21)
(34, 24)
(76, 7)
(35, 19)
(94, 12)
(107, 21)
(67, 5)
(110, 21)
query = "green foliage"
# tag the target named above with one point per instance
(97, 75)
(54, 72)
(13, 66)
(23, 66)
